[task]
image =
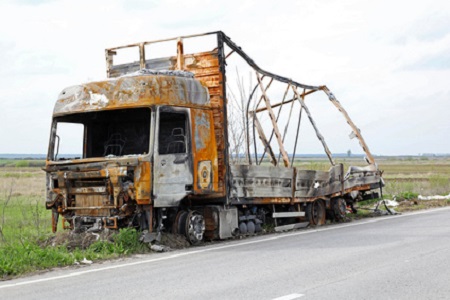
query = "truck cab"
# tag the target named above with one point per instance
(145, 140)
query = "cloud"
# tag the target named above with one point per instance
(439, 61)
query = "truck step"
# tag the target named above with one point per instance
(291, 226)
(289, 214)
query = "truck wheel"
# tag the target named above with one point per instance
(191, 224)
(315, 212)
(195, 227)
(339, 208)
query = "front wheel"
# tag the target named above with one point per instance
(191, 224)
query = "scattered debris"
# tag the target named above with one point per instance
(390, 203)
(159, 248)
(86, 261)
(74, 240)
(436, 197)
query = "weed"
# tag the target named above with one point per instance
(22, 164)
(408, 195)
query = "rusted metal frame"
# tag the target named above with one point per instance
(293, 182)
(319, 136)
(287, 101)
(254, 139)
(256, 105)
(166, 40)
(148, 209)
(249, 157)
(180, 54)
(64, 220)
(265, 90)
(110, 52)
(278, 116)
(250, 61)
(263, 138)
(141, 56)
(286, 127)
(243, 114)
(92, 207)
(114, 219)
(365, 187)
(355, 129)
(298, 130)
(109, 61)
(226, 158)
(224, 39)
(247, 127)
(228, 55)
(274, 123)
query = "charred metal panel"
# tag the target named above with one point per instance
(261, 181)
(206, 177)
(310, 183)
(131, 91)
(206, 68)
(142, 183)
(220, 222)
(173, 171)
(368, 176)
(85, 205)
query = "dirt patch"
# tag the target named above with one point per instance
(415, 204)
(174, 241)
(72, 240)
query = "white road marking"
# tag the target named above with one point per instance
(213, 248)
(289, 297)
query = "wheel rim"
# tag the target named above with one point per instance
(195, 227)
(316, 212)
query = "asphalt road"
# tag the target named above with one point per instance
(395, 257)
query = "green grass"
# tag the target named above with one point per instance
(21, 163)
(26, 256)
(25, 229)
(22, 218)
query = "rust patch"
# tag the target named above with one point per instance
(142, 183)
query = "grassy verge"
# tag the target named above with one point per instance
(26, 241)
(30, 255)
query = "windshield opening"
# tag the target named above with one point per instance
(103, 133)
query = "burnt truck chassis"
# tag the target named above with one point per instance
(115, 191)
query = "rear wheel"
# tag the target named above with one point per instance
(315, 212)
(339, 207)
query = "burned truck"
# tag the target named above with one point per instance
(158, 150)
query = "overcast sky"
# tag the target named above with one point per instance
(388, 62)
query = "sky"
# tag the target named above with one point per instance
(388, 62)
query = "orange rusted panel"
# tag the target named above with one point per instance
(206, 68)
(206, 175)
(278, 200)
(132, 91)
(90, 201)
(142, 183)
